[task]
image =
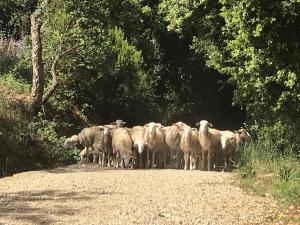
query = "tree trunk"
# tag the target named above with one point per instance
(37, 62)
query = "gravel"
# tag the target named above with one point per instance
(91, 195)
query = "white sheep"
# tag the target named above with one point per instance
(211, 145)
(190, 145)
(137, 134)
(172, 137)
(150, 138)
(161, 147)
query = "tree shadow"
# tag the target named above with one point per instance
(29, 206)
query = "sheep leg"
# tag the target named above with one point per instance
(94, 156)
(164, 160)
(210, 161)
(117, 160)
(108, 160)
(191, 161)
(103, 160)
(153, 158)
(141, 160)
(204, 161)
(186, 158)
(171, 165)
(228, 162)
(148, 158)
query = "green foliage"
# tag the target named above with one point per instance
(256, 43)
(14, 19)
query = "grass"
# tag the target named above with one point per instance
(266, 171)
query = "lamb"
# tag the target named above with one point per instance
(122, 147)
(190, 145)
(150, 138)
(210, 143)
(137, 134)
(91, 138)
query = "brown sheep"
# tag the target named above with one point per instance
(91, 138)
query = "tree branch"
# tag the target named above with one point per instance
(54, 84)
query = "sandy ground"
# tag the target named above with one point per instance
(91, 195)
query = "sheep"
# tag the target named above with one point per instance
(172, 137)
(190, 145)
(122, 147)
(150, 138)
(90, 137)
(161, 147)
(229, 146)
(210, 143)
(137, 134)
(107, 144)
(230, 142)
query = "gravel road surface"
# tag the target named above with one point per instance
(91, 195)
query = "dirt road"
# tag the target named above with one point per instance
(90, 195)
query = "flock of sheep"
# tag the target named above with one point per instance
(154, 145)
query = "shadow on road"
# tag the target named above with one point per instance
(39, 207)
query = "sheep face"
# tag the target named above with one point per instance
(203, 125)
(106, 131)
(71, 141)
(186, 132)
(151, 131)
(140, 147)
(243, 134)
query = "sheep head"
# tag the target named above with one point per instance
(203, 125)
(140, 147)
(118, 123)
(71, 141)
(243, 134)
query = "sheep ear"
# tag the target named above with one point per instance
(162, 129)
(113, 123)
(146, 125)
(124, 123)
(194, 129)
(210, 124)
(197, 124)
